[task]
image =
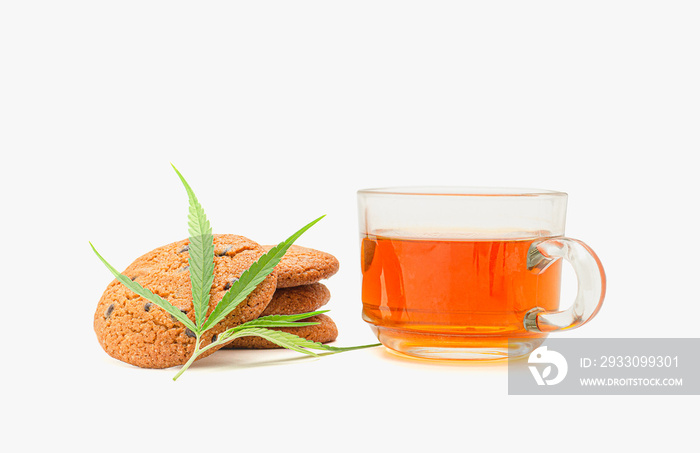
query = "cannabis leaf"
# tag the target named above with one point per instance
(286, 340)
(252, 277)
(280, 320)
(201, 268)
(201, 250)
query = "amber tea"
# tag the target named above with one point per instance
(459, 292)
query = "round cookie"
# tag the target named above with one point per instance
(325, 332)
(298, 299)
(303, 266)
(133, 330)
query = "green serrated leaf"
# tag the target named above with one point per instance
(283, 339)
(288, 340)
(147, 294)
(335, 349)
(201, 250)
(257, 323)
(280, 321)
(252, 277)
(295, 317)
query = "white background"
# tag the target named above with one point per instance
(277, 112)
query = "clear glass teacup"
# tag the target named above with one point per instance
(470, 273)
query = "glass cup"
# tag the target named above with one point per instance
(470, 273)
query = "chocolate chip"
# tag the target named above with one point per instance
(109, 311)
(148, 306)
(213, 339)
(225, 251)
(185, 249)
(183, 310)
(228, 285)
(133, 279)
(190, 334)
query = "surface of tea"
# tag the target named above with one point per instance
(461, 292)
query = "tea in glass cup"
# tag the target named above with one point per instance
(470, 273)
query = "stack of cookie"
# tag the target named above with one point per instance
(133, 330)
(299, 291)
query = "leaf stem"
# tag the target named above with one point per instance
(195, 353)
(213, 345)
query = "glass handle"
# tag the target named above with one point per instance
(591, 284)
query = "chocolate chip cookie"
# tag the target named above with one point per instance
(298, 299)
(135, 331)
(303, 266)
